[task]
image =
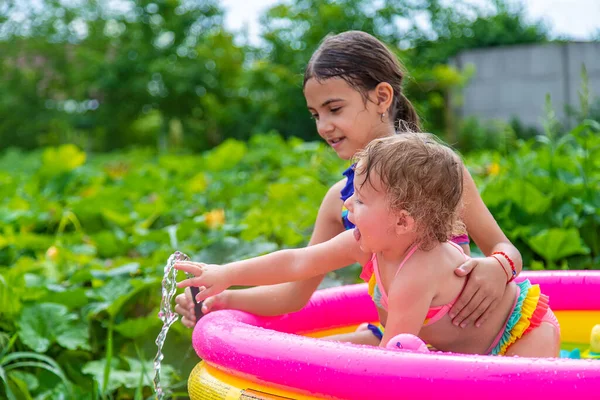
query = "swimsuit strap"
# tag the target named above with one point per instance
(434, 314)
(375, 263)
(410, 252)
(457, 247)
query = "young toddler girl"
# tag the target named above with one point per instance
(405, 206)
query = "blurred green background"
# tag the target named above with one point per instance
(167, 74)
(131, 129)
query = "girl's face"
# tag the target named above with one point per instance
(343, 119)
(369, 210)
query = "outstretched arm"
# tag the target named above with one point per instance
(278, 267)
(282, 298)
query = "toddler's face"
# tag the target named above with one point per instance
(369, 210)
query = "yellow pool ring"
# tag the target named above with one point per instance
(208, 383)
(575, 326)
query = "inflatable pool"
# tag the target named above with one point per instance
(250, 357)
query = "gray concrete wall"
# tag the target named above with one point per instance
(513, 81)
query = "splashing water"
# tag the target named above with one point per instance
(166, 314)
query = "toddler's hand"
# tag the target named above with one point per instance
(209, 278)
(215, 303)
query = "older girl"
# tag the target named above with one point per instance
(353, 89)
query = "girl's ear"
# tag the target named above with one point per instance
(404, 223)
(384, 95)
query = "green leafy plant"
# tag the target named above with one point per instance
(544, 194)
(15, 375)
(81, 259)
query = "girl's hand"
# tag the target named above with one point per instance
(484, 290)
(209, 278)
(185, 306)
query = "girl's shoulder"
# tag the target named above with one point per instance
(338, 186)
(329, 222)
(332, 197)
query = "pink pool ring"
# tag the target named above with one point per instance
(272, 356)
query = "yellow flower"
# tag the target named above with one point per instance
(493, 169)
(52, 253)
(117, 170)
(215, 218)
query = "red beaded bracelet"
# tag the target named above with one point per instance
(512, 265)
(501, 266)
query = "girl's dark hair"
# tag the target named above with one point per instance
(364, 62)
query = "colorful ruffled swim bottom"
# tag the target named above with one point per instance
(529, 311)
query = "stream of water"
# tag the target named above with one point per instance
(166, 314)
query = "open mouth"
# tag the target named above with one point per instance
(356, 234)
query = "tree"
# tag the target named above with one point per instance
(499, 24)
(293, 31)
(104, 69)
(167, 73)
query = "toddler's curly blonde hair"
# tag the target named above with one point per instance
(421, 176)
